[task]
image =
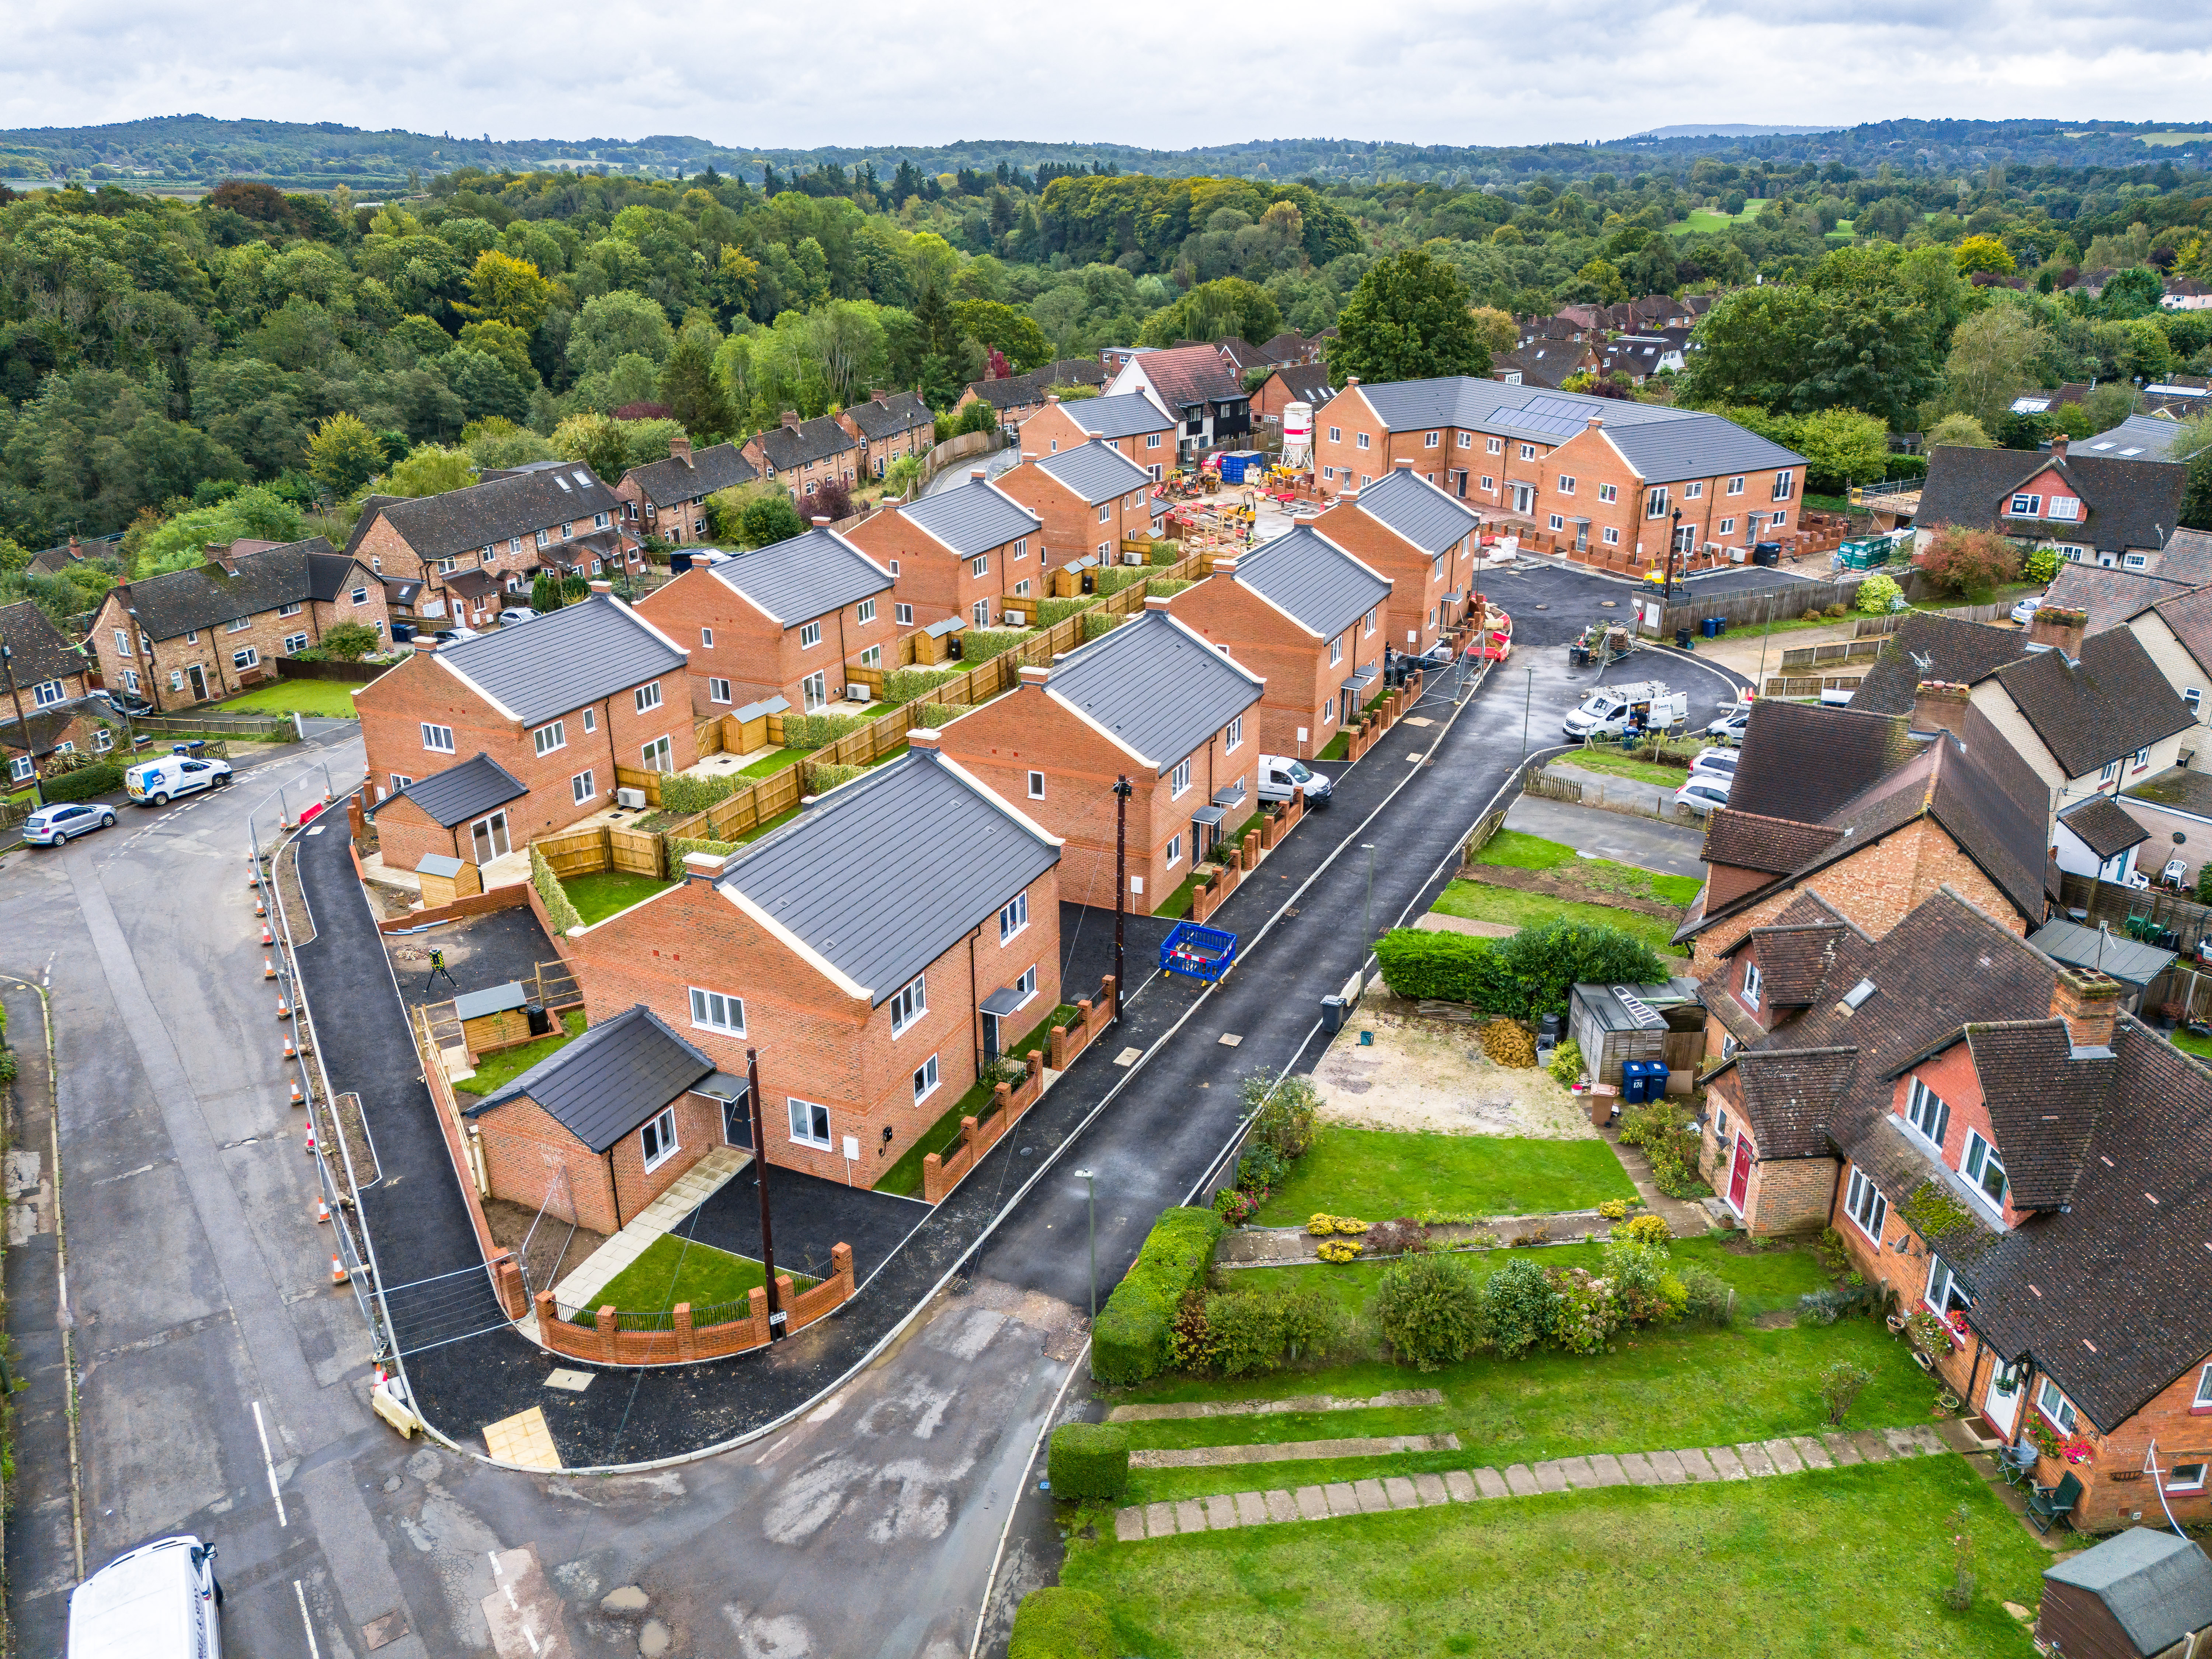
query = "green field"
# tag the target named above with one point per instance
(673, 1270)
(603, 892)
(495, 1072)
(332, 698)
(1511, 849)
(1378, 1174)
(1478, 901)
(1705, 219)
(1620, 764)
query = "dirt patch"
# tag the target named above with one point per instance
(1781, 1319)
(552, 1253)
(1566, 882)
(1427, 1070)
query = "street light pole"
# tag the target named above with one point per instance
(23, 725)
(760, 1180)
(1527, 698)
(1122, 790)
(1367, 922)
(1090, 1203)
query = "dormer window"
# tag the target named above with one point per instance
(1751, 985)
(1984, 1169)
(2025, 506)
(1925, 1111)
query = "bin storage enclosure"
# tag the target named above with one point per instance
(1616, 1023)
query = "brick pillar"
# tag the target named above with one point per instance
(1059, 1060)
(687, 1346)
(506, 1280)
(841, 1268)
(784, 1297)
(970, 1136)
(1109, 993)
(1251, 853)
(1035, 1061)
(549, 1320)
(357, 820)
(605, 1322)
(757, 1305)
(933, 1177)
(1002, 1100)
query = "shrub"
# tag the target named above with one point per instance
(1322, 1224)
(1404, 1236)
(83, 783)
(1518, 1306)
(1234, 1208)
(1337, 1250)
(1521, 977)
(1260, 1167)
(1165, 587)
(351, 641)
(1058, 1623)
(679, 845)
(561, 913)
(1842, 1384)
(2042, 566)
(1878, 595)
(1246, 1332)
(1099, 623)
(1829, 1251)
(1583, 1312)
(1643, 1286)
(1707, 1297)
(1646, 1229)
(822, 776)
(1970, 563)
(1314, 1324)
(1614, 1209)
(1111, 579)
(1089, 1461)
(1431, 1310)
(1960, 1594)
(1050, 613)
(1130, 1341)
(679, 794)
(1566, 1067)
(904, 685)
(1285, 1111)
(1509, 1043)
(1164, 552)
(1658, 1129)
(980, 644)
(814, 731)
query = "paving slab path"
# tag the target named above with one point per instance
(1753, 1460)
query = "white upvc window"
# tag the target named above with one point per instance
(925, 1079)
(1037, 786)
(1336, 651)
(646, 695)
(1984, 1169)
(814, 692)
(581, 789)
(706, 639)
(1105, 512)
(20, 767)
(1021, 549)
(659, 1139)
(1430, 440)
(866, 611)
(1926, 1111)
(1013, 916)
(1726, 527)
(130, 683)
(1606, 492)
(553, 735)
(1785, 484)
(1493, 445)
(908, 1003)
(1179, 780)
(1234, 733)
(1362, 439)
(658, 756)
(1368, 621)
(980, 565)
(1528, 452)
(1695, 492)
(810, 636)
(718, 691)
(2204, 1401)
(2186, 1477)
(542, 538)
(439, 740)
(1866, 1207)
(239, 625)
(102, 740)
(2051, 1400)
(1945, 1294)
(810, 1123)
(1336, 435)
(902, 615)
(1564, 485)
(1558, 522)
(361, 596)
(1735, 486)
(1612, 535)
(1655, 503)
(289, 610)
(591, 720)
(295, 644)
(122, 643)
(716, 1011)
(1750, 994)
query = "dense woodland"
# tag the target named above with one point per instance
(240, 363)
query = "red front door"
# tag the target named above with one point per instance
(1740, 1173)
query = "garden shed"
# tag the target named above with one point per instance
(1617, 1023)
(2138, 1595)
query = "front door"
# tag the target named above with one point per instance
(2001, 1406)
(1459, 482)
(199, 682)
(1524, 499)
(488, 838)
(1740, 1173)
(737, 1123)
(990, 1038)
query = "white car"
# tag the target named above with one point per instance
(50, 826)
(1703, 792)
(1730, 726)
(516, 615)
(2024, 612)
(1716, 763)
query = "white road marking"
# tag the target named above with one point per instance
(314, 1650)
(269, 1464)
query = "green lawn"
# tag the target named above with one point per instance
(1706, 219)
(775, 760)
(1176, 905)
(1336, 748)
(601, 894)
(1513, 850)
(762, 829)
(1621, 763)
(2190, 1043)
(496, 1072)
(905, 1177)
(333, 698)
(1478, 901)
(1377, 1174)
(673, 1270)
(1844, 1564)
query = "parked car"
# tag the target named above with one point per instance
(1703, 792)
(1716, 763)
(125, 703)
(2024, 612)
(454, 635)
(516, 615)
(1730, 726)
(1280, 776)
(159, 1601)
(50, 826)
(152, 783)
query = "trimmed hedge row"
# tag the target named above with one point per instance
(1133, 1337)
(1055, 1622)
(680, 793)
(83, 783)
(1530, 973)
(1089, 1461)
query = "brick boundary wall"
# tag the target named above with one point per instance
(605, 1343)
(942, 1172)
(475, 904)
(506, 1272)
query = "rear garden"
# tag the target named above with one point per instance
(332, 699)
(673, 1270)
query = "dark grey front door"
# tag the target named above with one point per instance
(199, 682)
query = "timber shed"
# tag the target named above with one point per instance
(2140, 1594)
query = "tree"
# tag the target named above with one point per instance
(344, 454)
(770, 520)
(692, 394)
(1994, 354)
(611, 326)
(352, 640)
(1407, 320)
(2193, 449)
(1002, 328)
(1841, 447)
(544, 593)
(1214, 311)
(1971, 562)
(1496, 329)
(597, 441)
(430, 470)
(505, 289)
(1959, 432)
(1983, 253)
(1841, 1384)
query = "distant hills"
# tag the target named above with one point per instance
(195, 151)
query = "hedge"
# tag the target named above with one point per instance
(1113, 578)
(1131, 1340)
(83, 783)
(681, 793)
(561, 913)
(1089, 1461)
(980, 644)
(1099, 623)
(1058, 1623)
(813, 731)
(1050, 613)
(822, 776)
(904, 685)
(679, 845)
(1523, 977)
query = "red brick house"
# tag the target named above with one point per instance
(2002, 1148)
(460, 811)
(1421, 540)
(557, 703)
(76, 725)
(804, 455)
(1090, 498)
(965, 553)
(2097, 509)
(668, 499)
(1294, 383)
(1304, 613)
(203, 633)
(1153, 701)
(604, 1125)
(779, 621)
(1018, 396)
(1130, 424)
(889, 425)
(863, 996)
(551, 515)
(46, 667)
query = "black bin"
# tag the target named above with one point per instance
(541, 1023)
(1332, 1014)
(1682, 639)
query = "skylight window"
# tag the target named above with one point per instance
(1855, 997)
(583, 478)
(563, 483)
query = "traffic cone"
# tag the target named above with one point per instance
(322, 1212)
(311, 1140)
(283, 1009)
(254, 879)
(259, 908)
(268, 967)
(268, 938)
(298, 1099)
(290, 1053)
(337, 1273)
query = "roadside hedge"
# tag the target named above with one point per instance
(1523, 977)
(1089, 1461)
(1055, 1622)
(1133, 1337)
(83, 783)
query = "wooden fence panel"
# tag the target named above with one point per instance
(630, 778)
(707, 736)
(577, 852)
(634, 852)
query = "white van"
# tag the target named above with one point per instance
(1610, 710)
(160, 1601)
(151, 783)
(1280, 776)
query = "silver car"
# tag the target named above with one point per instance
(50, 826)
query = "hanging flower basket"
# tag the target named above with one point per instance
(2079, 1450)
(1957, 1321)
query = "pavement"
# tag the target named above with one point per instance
(1669, 848)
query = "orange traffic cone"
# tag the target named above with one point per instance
(322, 1212)
(311, 1140)
(298, 1099)
(259, 908)
(290, 1053)
(268, 938)
(268, 967)
(283, 1009)
(254, 879)
(337, 1273)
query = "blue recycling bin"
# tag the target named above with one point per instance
(1642, 1081)
(1710, 628)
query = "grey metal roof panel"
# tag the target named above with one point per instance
(1697, 446)
(1095, 472)
(808, 576)
(497, 999)
(1003, 1001)
(576, 655)
(1320, 585)
(1417, 510)
(611, 1080)
(2138, 438)
(974, 518)
(459, 792)
(2125, 959)
(1122, 416)
(887, 873)
(1156, 685)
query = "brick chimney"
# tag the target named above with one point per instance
(1033, 673)
(924, 738)
(820, 519)
(1052, 396)
(704, 869)
(603, 588)
(1594, 422)
(880, 395)
(1029, 454)
(1350, 381)
(1939, 706)
(679, 448)
(790, 417)
(2090, 1003)
(2059, 447)
(2060, 628)
(1225, 564)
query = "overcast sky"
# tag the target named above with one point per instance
(894, 71)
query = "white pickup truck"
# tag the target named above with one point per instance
(1280, 776)
(1607, 711)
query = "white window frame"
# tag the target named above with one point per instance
(245, 657)
(1026, 986)
(553, 735)
(662, 1128)
(1175, 851)
(238, 626)
(925, 1079)
(1612, 536)
(1013, 916)
(1233, 734)
(1864, 1203)
(1430, 440)
(20, 767)
(1037, 786)
(1942, 1285)
(717, 1011)
(591, 721)
(1361, 441)
(1695, 492)
(1493, 445)
(706, 639)
(908, 1003)
(809, 1122)
(130, 683)
(865, 612)
(659, 756)
(2178, 1479)
(646, 696)
(2204, 1401)
(980, 565)
(902, 615)
(1336, 435)
(1564, 485)
(102, 740)
(292, 610)
(46, 693)
(2057, 1409)
(1980, 1156)
(1179, 780)
(814, 692)
(1749, 994)
(1336, 651)
(1921, 1103)
(718, 689)
(295, 644)
(123, 642)
(1606, 492)
(361, 596)
(582, 788)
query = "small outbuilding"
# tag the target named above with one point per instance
(1617, 1023)
(2138, 1595)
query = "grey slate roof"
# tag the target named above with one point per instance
(1019, 390)
(676, 479)
(2125, 503)
(1156, 686)
(1961, 653)
(2131, 962)
(890, 414)
(1122, 416)
(1308, 575)
(2157, 1586)
(207, 596)
(2138, 438)
(1306, 382)
(464, 521)
(2109, 594)
(47, 727)
(1677, 443)
(790, 446)
(1095, 472)
(974, 518)
(2111, 702)
(1417, 510)
(612, 1080)
(887, 873)
(459, 792)
(2104, 829)
(578, 654)
(41, 652)
(808, 576)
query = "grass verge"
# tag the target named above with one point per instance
(496, 1072)
(601, 894)
(673, 1270)
(1478, 901)
(1621, 764)
(332, 698)
(2190, 1043)
(1513, 850)
(1377, 1173)
(905, 1177)
(1336, 748)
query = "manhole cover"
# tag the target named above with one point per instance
(574, 1381)
(1230, 1039)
